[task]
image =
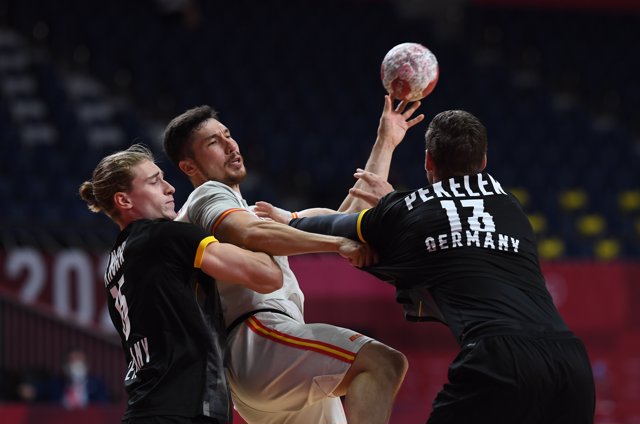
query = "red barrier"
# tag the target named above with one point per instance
(598, 301)
(50, 414)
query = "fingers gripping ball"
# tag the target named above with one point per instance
(409, 71)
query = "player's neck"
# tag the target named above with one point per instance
(236, 188)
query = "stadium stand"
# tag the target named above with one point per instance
(298, 83)
(82, 81)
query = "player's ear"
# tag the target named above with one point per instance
(122, 201)
(187, 166)
(484, 163)
(428, 162)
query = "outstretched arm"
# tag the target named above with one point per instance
(247, 231)
(393, 126)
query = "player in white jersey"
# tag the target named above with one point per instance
(281, 370)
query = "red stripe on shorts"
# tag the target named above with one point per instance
(314, 345)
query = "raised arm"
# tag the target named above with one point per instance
(394, 123)
(372, 180)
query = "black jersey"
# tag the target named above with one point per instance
(460, 251)
(169, 318)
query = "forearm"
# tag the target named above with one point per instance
(281, 240)
(305, 213)
(379, 163)
(254, 270)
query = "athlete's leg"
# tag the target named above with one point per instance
(283, 371)
(371, 384)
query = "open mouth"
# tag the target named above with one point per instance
(236, 161)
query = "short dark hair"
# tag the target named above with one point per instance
(177, 135)
(457, 142)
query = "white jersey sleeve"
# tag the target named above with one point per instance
(209, 203)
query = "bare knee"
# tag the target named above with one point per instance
(386, 366)
(393, 363)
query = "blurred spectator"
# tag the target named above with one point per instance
(28, 385)
(76, 388)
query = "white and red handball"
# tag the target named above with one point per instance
(409, 71)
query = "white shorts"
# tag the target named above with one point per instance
(282, 370)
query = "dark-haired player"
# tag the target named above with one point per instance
(461, 251)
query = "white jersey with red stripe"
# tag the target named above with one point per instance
(280, 369)
(206, 207)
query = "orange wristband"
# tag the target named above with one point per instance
(294, 215)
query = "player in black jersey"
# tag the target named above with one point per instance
(462, 252)
(162, 298)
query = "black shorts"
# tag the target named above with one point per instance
(171, 419)
(522, 378)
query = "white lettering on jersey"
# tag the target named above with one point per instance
(470, 225)
(454, 186)
(496, 186)
(456, 239)
(439, 191)
(479, 222)
(481, 239)
(410, 199)
(481, 184)
(468, 188)
(115, 262)
(120, 303)
(131, 371)
(140, 353)
(423, 192)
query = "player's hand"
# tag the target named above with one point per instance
(358, 254)
(375, 188)
(395, 122)
(267, 211)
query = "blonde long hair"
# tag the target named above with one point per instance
(112, 175)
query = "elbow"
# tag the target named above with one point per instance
(273, 281)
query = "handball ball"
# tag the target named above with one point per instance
(409, 71)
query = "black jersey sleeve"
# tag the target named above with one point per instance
(373, 223)
(345, 225)
(182, 241)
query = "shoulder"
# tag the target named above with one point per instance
(212, 191)
(396, 196)
(396, 199)
(207, 202)
(213, 187)
(159, 230)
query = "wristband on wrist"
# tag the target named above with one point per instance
(294, 215)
